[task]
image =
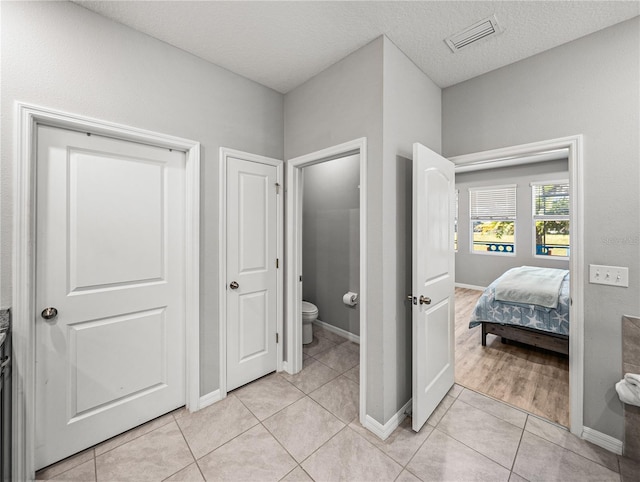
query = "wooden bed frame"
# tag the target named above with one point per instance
(530, 336)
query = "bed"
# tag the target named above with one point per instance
(519, 317)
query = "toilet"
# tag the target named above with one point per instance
(309, 315)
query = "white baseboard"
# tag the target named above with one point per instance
(383, 431)
(338, 331)
(603, 440)
(209, 399)
(470, 287)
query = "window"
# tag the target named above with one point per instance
(551, 218)
(493, 219)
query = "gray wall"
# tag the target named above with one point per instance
(63, 56)
(412, 113)
(331, 240)
(481, 269)
(342, 103)
(378, 93)
(589, 87)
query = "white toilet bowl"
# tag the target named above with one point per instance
(309, 315)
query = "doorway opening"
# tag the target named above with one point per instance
(326, 264)
(509, 368)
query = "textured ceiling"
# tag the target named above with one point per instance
(283, 44)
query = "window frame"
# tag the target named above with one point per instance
(490, 218)
(548, 217)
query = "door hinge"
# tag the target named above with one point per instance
(300, 279)
(277, 263)
(277, 338)
(277, 188)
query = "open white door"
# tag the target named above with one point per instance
(432, 282)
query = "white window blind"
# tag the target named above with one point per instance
(493, 203)
(550, 200)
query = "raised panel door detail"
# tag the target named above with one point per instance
(437, 336)
(116, 220)
(253, 325)
(436, 225)
(252, 222)
(116, 357)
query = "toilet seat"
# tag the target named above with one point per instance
(309, 308)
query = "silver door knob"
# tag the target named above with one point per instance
(424, 300)
(234, 285)
(49, 313)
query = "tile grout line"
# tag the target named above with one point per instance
(325, 384)
(433, 427)
(522, 410)
(339, 373)
(493, 415)
(195, 460)
(576, 453)
(284, 448)
(70, 468)
(333, 345)
(479, 453)
(416, 452)
(280, 410)
(322, 407)
(471, 448)
(135, 438)
(375, 446)
(93, 448)
(566, 448)
(232, 438)
(291, 471)
(322, 445)
(328, 381)
(307, 395)
(515, 457)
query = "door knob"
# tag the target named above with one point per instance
(424, 300)
(49, 313)
(234, 285)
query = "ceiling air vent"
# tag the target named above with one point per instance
(478, 31)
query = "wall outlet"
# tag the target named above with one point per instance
(609, 275)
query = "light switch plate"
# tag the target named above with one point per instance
(609, 275)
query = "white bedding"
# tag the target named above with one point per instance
(531, 285)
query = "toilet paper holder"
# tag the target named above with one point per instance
(350, 298)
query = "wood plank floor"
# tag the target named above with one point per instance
(532, 379)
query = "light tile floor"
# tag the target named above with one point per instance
(305, 427)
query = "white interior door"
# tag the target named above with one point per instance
(433, 313)
(252, 251)
(110, 259)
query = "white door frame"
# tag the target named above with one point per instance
(28, 117)
(294, 256)
(225, 154)
(524, 154)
